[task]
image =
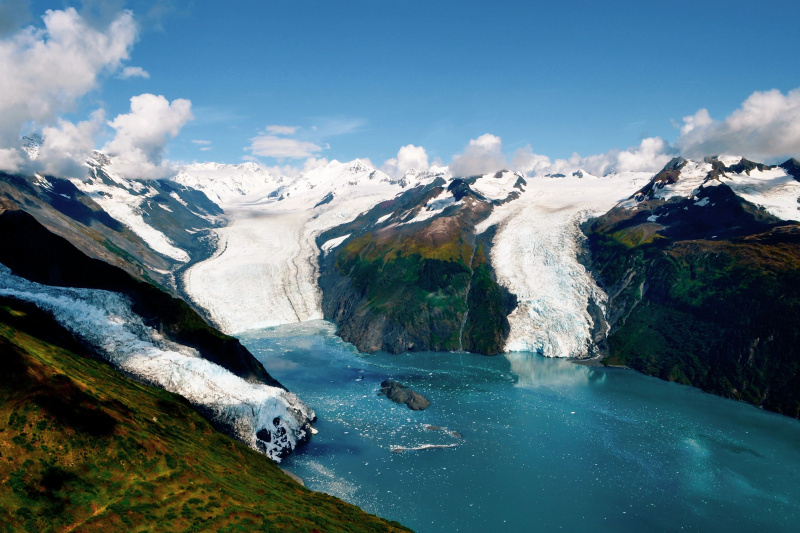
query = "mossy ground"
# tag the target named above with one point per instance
(84, 448)
(716, 314)
(427, 282)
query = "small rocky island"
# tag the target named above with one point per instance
(399, 393)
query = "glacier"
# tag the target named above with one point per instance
(535, 255)
(269, 419)
(265, 270)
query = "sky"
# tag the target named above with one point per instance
(537, 86)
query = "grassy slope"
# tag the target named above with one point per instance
(717, 314)
(82, 447)
(413, 280)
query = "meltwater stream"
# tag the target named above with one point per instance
(525, 443)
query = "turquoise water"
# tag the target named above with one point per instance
(531, 444)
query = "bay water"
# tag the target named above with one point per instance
(526, 443)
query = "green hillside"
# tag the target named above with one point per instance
(83, 448)
(709, 298)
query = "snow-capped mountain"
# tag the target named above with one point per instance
(249, 248)
(228, 184)
(265, 271)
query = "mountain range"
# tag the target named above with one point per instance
(691, 275)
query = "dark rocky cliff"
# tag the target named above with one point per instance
(401, 282)
(708, 295)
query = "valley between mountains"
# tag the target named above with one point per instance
(691, 275)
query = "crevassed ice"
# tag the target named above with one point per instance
(105, 321)
(535, 256)
(265, 270)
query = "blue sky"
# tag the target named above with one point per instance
(363, 78)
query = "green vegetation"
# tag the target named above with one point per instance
(418, 286)
(719, 314)
(84, 448)
(422, 289)
(487, 324)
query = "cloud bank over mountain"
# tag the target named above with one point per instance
(51, 73)
(48, 71)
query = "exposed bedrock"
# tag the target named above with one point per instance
(408, 280)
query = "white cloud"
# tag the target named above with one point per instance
(11, 159)
(698, 120)
(408, 157)
(650, 156)
(65, 147)
(767, 125)
(481, 156)
(282, 148)
(142, 135)
(44, 71)
(529, 163)
(134, 72)
(201, 142)
(282, 130)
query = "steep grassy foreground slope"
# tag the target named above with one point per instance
(84, 448)
(706, 293)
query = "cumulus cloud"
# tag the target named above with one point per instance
(134, 72)
(650, 156)
(11, 159)
(767, 125)
(408, 157)
(481, 156)
(141, 136)
(66, 146)
(45, 71)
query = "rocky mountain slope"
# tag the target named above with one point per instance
(702, 271)
(412, 275)
(488, 263)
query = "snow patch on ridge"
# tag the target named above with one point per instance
(333, 243)
(774, 190)
(105, 321)
(123, 203)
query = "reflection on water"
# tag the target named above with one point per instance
(585, 448)
(533, 370)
